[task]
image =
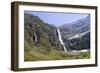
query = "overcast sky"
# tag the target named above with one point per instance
(57, 18)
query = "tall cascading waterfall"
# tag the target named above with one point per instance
(60, 39)
(35, 37)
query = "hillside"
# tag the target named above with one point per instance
(41, 42)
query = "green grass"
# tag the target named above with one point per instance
(34, 55)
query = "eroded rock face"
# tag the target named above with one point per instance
(40, 34)
(77, 34)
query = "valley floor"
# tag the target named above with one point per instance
(34, 55)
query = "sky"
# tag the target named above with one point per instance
(58, 18)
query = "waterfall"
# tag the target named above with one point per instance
(35, 37)
(60, 39)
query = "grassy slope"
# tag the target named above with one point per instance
(34, 55)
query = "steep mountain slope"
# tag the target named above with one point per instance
(41, 41)
(77, 34)
(40, 36)
(76, 27)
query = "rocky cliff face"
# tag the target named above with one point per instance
(76, 35)
(39, 35)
